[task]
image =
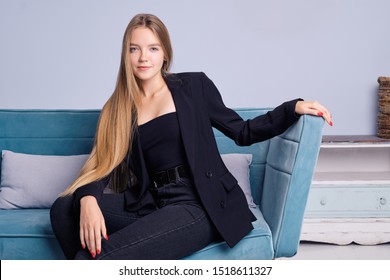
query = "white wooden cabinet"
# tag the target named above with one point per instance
(349, 200)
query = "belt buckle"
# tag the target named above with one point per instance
(171, 175)
(168, 176)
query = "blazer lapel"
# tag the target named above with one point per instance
(181, 94)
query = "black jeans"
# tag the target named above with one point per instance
(177, 228)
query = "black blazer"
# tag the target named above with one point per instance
(199, 107)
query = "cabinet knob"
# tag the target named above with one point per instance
(323, 202)
(382, 201)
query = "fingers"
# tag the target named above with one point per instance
(82, 238)
(97, 242)
(99, 232)
(323, 112)
(314, 108)
(90, 238)
(104, 231)
(92, 226)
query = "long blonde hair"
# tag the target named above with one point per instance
(118, 118)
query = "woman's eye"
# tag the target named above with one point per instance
(154, 49)
(133, 49)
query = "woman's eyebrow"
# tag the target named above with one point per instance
(150, 45)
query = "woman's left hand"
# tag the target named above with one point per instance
(313, 108)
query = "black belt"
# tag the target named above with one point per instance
(170, 175)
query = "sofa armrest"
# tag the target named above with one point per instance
(291, 160)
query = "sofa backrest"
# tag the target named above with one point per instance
(71, 132)
(48, 132)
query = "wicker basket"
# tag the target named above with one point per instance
(384, 107)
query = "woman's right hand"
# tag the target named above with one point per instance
(92, 225)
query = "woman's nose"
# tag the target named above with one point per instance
(143, 57)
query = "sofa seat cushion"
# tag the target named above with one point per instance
(257, 245)
(30, 228)
(27, 228)
(25, 223)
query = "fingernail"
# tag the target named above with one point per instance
(331, 123)
(320, 114)
(93, 255)
(106, 237)
(98, 251)
(83, 246)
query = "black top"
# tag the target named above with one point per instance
(161, 143)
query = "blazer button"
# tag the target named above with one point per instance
(209, 174)
(223, 204)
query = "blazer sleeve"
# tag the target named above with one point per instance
(246, 132)
(94, 189)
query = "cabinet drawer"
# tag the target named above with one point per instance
(348, 201)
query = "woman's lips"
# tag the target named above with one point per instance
(144, 68)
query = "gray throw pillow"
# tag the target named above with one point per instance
(35, 181)
(238, 165)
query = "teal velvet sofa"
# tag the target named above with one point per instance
(280, 176)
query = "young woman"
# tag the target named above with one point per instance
(155, 186)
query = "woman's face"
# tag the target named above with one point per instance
(146, 54)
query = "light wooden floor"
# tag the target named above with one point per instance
(320, 251)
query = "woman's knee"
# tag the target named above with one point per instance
(61, 206)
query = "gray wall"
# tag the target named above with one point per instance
(65, 54)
